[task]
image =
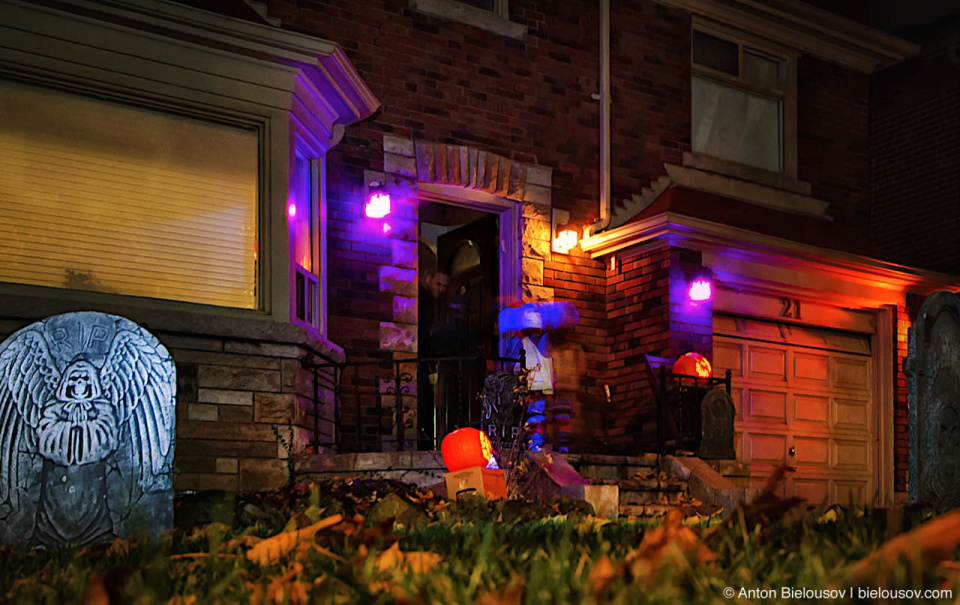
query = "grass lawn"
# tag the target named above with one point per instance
(382, 542)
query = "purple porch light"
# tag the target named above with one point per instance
(700, 290)
(378, 206)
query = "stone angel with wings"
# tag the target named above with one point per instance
(86, 432)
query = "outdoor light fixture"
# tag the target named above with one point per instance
(564, 240)
(378, 205)
(700, 290)
(292, 210)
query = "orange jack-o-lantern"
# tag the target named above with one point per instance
(466, 448)
(693, 364)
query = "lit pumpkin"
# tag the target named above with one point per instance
(466, 448)
(693, 364)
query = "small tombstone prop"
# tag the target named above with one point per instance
(933, 368)
(717, 414)
(501, 408)
(86, 432)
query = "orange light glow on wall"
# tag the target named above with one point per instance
(693, 364)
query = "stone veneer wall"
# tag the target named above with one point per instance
(407, 164)
(241, 388)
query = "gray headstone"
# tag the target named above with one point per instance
(501, 408)
(716, 420)
(86, 432)
(933, 369)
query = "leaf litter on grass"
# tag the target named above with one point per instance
(472, 553)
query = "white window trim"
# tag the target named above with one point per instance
(496, 21)
(788, 95)
(316, 155)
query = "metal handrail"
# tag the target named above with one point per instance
(401, 381)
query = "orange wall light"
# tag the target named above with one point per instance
(693, 364)
(465, 448)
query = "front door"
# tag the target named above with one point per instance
(468, 255)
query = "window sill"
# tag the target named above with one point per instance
(477, 17)
(709, 163)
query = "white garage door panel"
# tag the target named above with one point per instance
(851, 414)
(811, 490)
(766, 448)
(811, 409)
(811, 370)
(767, 405)
(811, 451)
(851, 373)
(802, 388)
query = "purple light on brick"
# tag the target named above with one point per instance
(292, 210)
(378, 206)
(700, 290)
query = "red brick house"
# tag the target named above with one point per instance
(707, 138)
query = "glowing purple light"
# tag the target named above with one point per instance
(292, 210)
(378, 206)
(386, 227)
(700, 290)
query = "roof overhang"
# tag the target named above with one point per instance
(742, 258)
(319, 61)
(808, 29)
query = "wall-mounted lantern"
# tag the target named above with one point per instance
(700, 290)
(564, 239)
(378, 204)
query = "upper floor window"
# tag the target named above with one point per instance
(496, 6)
(742, 103)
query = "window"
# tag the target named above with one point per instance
(742, 104)
(113, 198)
(306, 234)
(490, 15)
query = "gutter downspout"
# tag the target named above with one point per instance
(604, 98)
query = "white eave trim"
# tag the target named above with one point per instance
(237, 36)
(806, 28)
(681, 230)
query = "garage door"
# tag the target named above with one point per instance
(804, 398)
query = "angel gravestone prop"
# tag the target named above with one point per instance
(86, 432)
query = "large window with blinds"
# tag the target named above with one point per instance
(111, 198)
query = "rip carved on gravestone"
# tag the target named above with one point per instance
(933, 368)
(501, 408)
(86, 432)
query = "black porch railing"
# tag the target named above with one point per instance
(679, 397)
(401, 404)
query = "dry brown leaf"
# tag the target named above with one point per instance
(413, 562)
(923, 548)
(95, 590)
(767, 507)
(270, 550)
(670, 543)
(282, 589)
(190, 599)
(602, 574)
(511, 595)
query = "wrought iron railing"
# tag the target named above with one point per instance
(401, 404)
(679, 400)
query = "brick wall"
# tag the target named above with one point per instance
(915, 129)
(901, 403)
(833, 144)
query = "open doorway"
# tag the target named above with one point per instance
(457, 319)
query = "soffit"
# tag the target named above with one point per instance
(806, 28)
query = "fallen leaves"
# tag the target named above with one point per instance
(395, 560)
(916, 551)
(272, 549)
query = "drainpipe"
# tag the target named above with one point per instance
(604, 98)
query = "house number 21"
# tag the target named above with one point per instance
(790, 307)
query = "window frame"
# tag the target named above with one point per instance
(305, 145)
(787, 96)
(496, 21)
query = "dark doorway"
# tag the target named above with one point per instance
(466, 245)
